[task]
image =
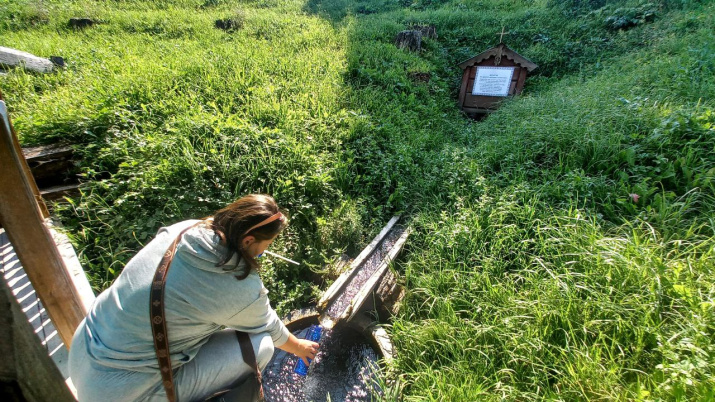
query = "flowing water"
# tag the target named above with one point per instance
(345, 369)
(363, 272)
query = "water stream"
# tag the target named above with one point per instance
(363, 272)
(345, 369)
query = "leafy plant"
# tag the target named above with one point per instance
(562, 247)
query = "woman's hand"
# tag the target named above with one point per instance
(307, 350)
(302, 348)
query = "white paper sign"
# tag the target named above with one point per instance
(493, 81)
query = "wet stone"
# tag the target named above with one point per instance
(345, 369)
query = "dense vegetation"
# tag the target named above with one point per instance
(564, 247)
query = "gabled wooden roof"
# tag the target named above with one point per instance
(505, 52)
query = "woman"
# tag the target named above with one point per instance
(212, 283)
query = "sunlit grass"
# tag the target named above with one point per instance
(563, 246)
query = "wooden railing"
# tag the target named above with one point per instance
(23, 215)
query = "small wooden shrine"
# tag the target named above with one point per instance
(491, 76)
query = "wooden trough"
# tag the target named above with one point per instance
(368, 284)
(348, 366)
(371, 330)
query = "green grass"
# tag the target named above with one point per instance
(531, 274)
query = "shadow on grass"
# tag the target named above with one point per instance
(407, 129)
(333, 11)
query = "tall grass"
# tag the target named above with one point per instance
(563, 246)
(511, 300)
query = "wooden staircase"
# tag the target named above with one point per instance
(38, 263)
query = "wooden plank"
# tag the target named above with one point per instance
(23, 220)
(520, 82)
(57, 192)
(25, 167)
(48, 162)
(44, 152)
(17, 58)
(26, 371)
(512, 88)
(74, 268)
(463, 90)
(369, 287)
(388, 295)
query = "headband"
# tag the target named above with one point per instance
(268, 220)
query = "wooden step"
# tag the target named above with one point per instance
(49, 160)
(57, 192)
(53, 169)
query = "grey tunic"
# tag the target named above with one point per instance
(114, 343)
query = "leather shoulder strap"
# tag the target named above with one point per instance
(158, 319)
(250, 358)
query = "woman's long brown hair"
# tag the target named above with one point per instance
(232, 222)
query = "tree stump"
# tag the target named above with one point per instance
(410, 40)
(81, 23)
(229, 24)
(419, 76)
(428, 31)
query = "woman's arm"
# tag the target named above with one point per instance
(302, 348)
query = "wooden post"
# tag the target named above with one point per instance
(23, 220)
(25, 167)
(27, 373)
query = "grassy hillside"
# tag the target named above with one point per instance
(564, 247)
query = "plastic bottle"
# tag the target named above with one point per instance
(314, 333)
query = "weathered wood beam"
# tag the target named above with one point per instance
(48, 161)
(17, 58)
(24, 222)
(25, 167)
(50, 165)
(58, 192)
